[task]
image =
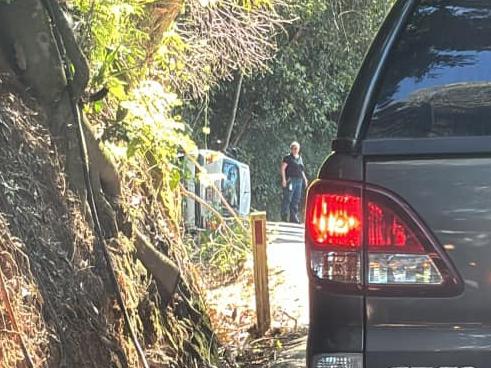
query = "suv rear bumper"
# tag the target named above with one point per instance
(336, 322)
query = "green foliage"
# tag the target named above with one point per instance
(114, 42)
(224, 250)
(154, 140)
(252, 4)
(152, 130)
(130, 40)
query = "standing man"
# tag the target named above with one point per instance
(292, 180)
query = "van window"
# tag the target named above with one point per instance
(437, 82)
(231, 184)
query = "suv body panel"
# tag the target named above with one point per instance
(444, 175)
(453, 198)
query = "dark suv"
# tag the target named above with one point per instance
(398, 225)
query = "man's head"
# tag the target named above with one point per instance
(295, 148)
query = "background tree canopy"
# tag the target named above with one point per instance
(300, 96)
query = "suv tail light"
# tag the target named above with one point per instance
(359, 236)
(334, 225)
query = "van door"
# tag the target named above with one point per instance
(245, 190)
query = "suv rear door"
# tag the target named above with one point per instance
(428, 143)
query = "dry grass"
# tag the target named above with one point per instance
(55, 284)
(25, 300)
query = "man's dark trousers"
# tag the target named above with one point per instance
(291, 200)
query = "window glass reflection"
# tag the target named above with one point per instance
(438, 79)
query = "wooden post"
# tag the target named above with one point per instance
(259, 247)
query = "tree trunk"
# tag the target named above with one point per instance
(164, 271)
(244, 127)
(230, 128)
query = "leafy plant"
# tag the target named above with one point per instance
(224, 250)
(155, 138)
(113, 39)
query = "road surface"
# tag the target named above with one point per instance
(286, 256)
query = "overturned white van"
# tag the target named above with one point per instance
(214, 177)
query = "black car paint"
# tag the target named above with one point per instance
(453, 196)
(447, 181)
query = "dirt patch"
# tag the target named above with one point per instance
(270, 350)
(233, 305)
(56, 286)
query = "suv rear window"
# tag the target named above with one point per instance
(437, 82)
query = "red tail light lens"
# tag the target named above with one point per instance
(336, 220)
(365, 236)
(334, 227)
(387, 232)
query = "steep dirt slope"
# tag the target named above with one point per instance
(47, 256)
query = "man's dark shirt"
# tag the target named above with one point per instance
(294, 168)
